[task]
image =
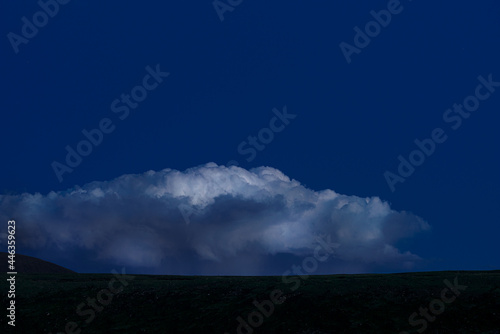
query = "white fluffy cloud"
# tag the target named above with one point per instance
(235, 218)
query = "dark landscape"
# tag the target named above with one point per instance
(364, 303)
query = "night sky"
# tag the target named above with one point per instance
(210, 138)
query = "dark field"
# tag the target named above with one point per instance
(195, 304)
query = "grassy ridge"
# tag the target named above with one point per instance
(195, 304)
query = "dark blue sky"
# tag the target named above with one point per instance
(352, 120)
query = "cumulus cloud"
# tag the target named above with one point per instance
(210, 219)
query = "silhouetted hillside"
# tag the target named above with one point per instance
(31, 265)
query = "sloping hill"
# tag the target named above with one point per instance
(31, 265)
